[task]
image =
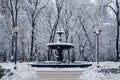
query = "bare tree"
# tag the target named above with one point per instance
(33, 14)
(13, 8)
(59, 6)
(117, 13)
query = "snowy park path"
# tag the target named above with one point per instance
(26, 72)
(58, 75)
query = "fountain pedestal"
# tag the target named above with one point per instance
(60, 55)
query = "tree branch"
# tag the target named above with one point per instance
(90, 18)
(8, 7)
(112, 9)
(85, 31)
(39, 12)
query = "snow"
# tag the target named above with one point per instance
(59, 69)
(92, 75)
(23, 72)
(26, 72)
(92, 72)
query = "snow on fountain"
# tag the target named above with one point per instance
(60, 46)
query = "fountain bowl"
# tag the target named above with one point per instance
(60, 45)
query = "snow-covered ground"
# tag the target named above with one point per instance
(26, 72)
(94, 73)
(23, 72)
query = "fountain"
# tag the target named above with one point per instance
(59, 46)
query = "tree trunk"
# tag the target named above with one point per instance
(12, 43)
(117, 37)
(117, 42)
(32, 41)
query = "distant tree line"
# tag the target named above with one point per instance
(38, 21)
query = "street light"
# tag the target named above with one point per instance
(16, 30)
(97, 31)
(82, 57)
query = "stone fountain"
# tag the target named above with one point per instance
(60, 46)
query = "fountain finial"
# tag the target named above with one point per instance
(60, 32)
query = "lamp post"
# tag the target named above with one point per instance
(16, 30)
(97, 31)
(82, 55)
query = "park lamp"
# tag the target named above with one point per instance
(16, 29)
(97, 30)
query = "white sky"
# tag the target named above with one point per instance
(93, 1)
(53, 1)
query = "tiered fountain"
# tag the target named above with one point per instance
(60, 46)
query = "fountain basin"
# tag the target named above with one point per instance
(60, 45)
(61, 65)
(55, 64)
